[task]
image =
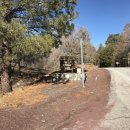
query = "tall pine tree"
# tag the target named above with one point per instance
(40, 17)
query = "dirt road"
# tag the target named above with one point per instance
(68, 106)
(119, 101)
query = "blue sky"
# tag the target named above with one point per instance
(102, 17)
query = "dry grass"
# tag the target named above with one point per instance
(89, 67)
(23, 96)
(32, 94)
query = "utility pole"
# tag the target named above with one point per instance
(82, 63)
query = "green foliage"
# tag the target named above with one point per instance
(114, 38)
(11, 32)
(4, 4)
(99, 51)
(106, 56)
(100, 48)
(34, 46)
(15, 45)
(47, 20)
(10, 35)
(113, 50)
(52, 17)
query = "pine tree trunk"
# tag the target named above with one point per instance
(6, 79)
(6, 83)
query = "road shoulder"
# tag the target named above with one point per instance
(76, 108)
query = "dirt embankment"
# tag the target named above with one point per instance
(67, 106)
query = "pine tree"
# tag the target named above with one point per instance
(49, 19)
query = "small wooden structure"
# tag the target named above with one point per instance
(67, 63)
(68, 70)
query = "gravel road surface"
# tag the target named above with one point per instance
(118, 118)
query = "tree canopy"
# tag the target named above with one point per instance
(71, 47)
(31, 28)
(52, 17)
(126, 32)
(114, 38)
(115, 50)
(11, 35)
